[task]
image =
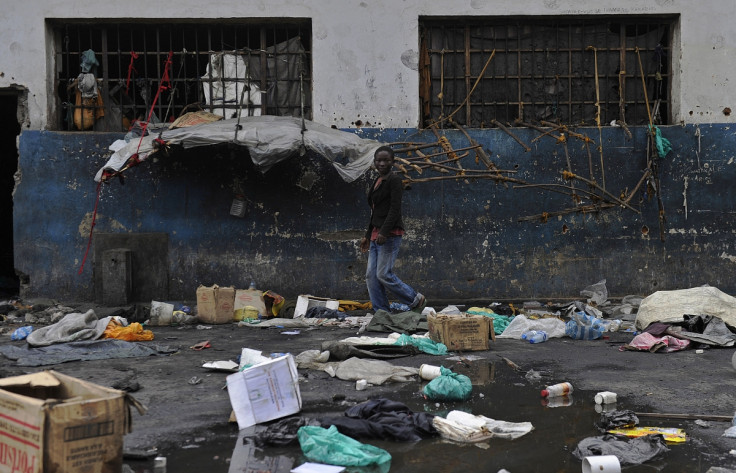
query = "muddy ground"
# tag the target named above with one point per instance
(188, 404)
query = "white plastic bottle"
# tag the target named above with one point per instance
(559, 389)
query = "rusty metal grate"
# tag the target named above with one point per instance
(224, 68)
(557, 70)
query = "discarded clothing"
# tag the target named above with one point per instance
(72, 327)
(708, 330)
(464, 427)
(383, 419)
(617, 419)
(331, 447)
(647, 341)
(628, 451)
(318, 312)
(374, 371)
(343, 351)
(403, 322)
(133, 332)
(82, 351)
(283, 432)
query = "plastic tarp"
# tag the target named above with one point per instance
(671, 306)
(554, 327)
(269, 140)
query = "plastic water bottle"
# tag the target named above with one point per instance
(559, 389)
(539, 337)
(528, 334)
(252, 284)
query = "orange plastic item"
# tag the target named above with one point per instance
(132, 333)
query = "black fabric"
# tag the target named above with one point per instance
(283, 432)
(319, 312)
(343, 351)
(696, 323)
(628, 451)
(383, 419)
(617, 419)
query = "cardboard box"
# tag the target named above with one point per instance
(465, 332)
(215, 304)
(245, 298)
(266, 391)
(306, 301)
(53, 422)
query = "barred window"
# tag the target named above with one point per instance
(108, 75)
(573, 71)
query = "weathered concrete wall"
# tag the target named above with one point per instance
(303, 223)
(364, 54)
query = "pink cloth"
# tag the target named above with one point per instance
(647, 341)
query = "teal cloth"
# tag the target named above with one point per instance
(663, 144)
(330, 446)
(424, 344)
(500, 322)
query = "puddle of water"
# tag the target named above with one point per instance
(499, 393)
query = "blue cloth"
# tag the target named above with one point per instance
(380, 276)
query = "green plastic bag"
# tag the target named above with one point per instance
(448, 386)
(423, 344)
(331, 447)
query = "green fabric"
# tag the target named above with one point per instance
(448, 386)
(424, 344)
(331, 447)
(403, 322)
(500, 322)
(663, 144)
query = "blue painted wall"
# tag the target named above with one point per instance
(464, 240)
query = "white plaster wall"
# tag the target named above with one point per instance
(365, 52)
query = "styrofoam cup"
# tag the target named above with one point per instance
(429, 372)
(601, 464)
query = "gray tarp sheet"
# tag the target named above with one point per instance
(82, 351)
(269, 140)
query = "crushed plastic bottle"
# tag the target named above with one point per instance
(21, 333)
(252, 285)
(535, 336)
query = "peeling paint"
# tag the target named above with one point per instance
(731, 258)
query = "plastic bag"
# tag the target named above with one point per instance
(582, 326)
(424, 344)
(21, 333)
(131, 333)
(331, 447)
(448, 386)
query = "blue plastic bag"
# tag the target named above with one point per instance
(582, 326)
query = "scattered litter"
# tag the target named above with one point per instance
(601, 463)
(291, 332)
(201, 345)
(361, 384)
(227, 365)
(21, 333)
(310, 467)
(464, 427)
(195, 380)
(702, 423)
(670, 434)
(320, 444)
(204, 327)
(628, 451)
(448, 386)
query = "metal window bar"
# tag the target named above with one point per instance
(271, 70)
(544, 70)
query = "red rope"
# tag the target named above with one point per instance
(92, 227)
(163, 85)
(133, 56)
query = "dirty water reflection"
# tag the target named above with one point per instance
(498, 392)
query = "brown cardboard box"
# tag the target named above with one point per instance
(215, 304)
(463, 332)
(248, 297)
(53, 422)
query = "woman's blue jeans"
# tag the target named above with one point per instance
(380, 277)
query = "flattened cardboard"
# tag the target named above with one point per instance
(266, 391)
(462, 332)
(53, 422)
(306, 302)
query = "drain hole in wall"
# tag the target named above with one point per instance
(645, 230)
